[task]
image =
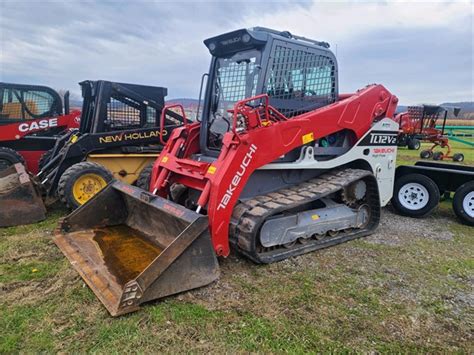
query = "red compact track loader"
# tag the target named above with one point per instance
(31, 118)
(279, 165)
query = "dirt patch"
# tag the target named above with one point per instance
(397, 230)
(30, 292)
(223, 293)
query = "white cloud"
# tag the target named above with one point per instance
(160, 43)
(341, 20)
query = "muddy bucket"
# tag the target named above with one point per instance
(20, 202)
(131, 247)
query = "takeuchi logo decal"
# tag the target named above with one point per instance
(231, 41)
(237, 177)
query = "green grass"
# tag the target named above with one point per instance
(338, 300)
(16, 324)
(48, 224)
(361, 296)
(407, 156)
(35, 270)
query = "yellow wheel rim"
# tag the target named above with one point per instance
(87, 186)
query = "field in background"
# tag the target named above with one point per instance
(407, 288)
(459, 122)
(406, 156)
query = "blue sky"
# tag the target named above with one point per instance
(421, 51)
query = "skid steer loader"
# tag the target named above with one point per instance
(281, 164)
(120, 133)
(31, 118)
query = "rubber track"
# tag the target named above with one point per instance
(248, 216)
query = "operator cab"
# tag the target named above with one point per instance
(298, 74)
(110, 106)
(20, 102)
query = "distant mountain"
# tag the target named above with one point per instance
(467, 108)
(75, 103)
(186, 102)
(401, 108)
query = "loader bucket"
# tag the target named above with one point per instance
(131, 247)
(20, 202)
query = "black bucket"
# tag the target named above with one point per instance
(20, 202)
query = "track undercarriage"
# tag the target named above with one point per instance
(333, 208)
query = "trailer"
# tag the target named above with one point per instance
(418, 188)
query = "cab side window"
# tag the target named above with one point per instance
(26, 104)
(299, 80)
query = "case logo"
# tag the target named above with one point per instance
(35, 125)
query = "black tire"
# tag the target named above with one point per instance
(406, 186)
(8, 157)
(144, 177)
(45, 157)
(402, 141)
(458, 157)
(72, 175)
(426, 154)
(438, 156)
(413, 144)
(463, 203)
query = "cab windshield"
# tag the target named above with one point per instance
(235, 79)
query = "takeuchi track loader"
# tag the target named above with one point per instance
(279, 165)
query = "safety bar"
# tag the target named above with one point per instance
(239, 106)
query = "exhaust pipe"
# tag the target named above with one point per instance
(132, 247)
(20, 202)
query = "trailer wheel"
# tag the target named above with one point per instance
(426, 154)
(81, 182)
(463, 203)
(8, 157)
(414, 144)
(415, 195)
(144, 177)
(458, 157)
(438, 156)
